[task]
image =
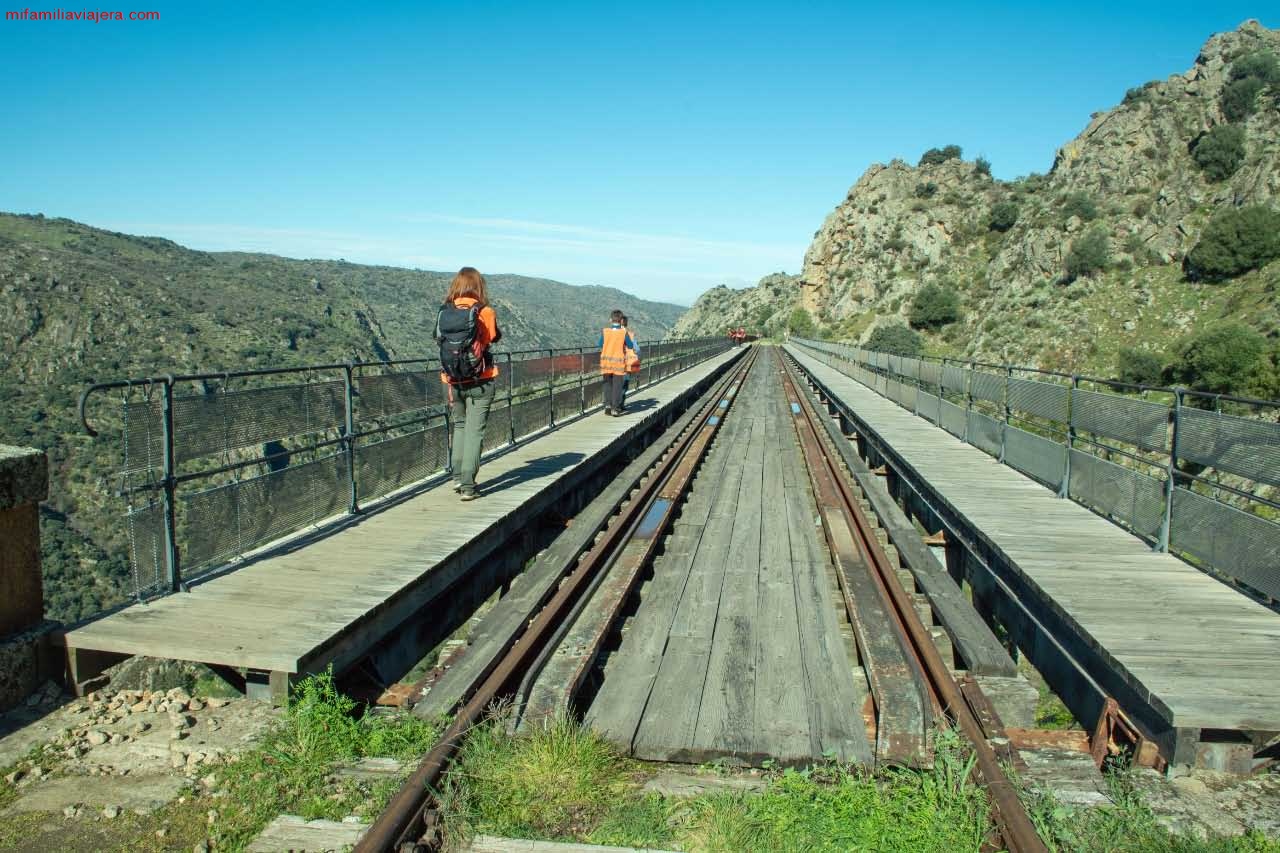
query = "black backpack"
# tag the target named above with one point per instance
(456, 328)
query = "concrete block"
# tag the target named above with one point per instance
(24, 476)
(23, 664)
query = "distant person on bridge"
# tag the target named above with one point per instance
(633, 362)
(614, 343)
(466, 326)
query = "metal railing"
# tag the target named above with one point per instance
(1192, 473)
(215, 465)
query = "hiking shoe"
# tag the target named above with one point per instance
(457, 485)
(468, 494)
(608, 411)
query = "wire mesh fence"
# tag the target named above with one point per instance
(213, 466)
(1192, 473)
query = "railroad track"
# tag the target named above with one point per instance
(610, 571)
(851, 537)
(408, 823)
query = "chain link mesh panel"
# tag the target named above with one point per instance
(383, 467)
(1138, 422)
(142, 436)
(1042, 399)
(1236, 543)
(567, 402)
(952, 418)
(987, 386)
(954, 378)
(984, 433)
(232, 519)
(909, 393)
(1037, 457)
(1243, 446)
(145, 524)
(927, 406)
(911, 368)
(529, 416)
(930, 373)
(1124, 494)
(393, 393)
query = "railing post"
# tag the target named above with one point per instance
(1008, 380)
(1065, 488)
(582, 380)
(968, 399)
(511, 414)
(170, 484)
(349, 436)
(551, 387)
(1171, 473)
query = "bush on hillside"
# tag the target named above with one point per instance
(1003, 216)
(895, 338)
(1088, 254)
(1139, 366)
(1240, 98)
(1235, 242)
(982, 166)
(926, 190)
(937, 156)
(1220, 152)
(799, 323)
(1079, 204)
(1260, 65)
(1221, 359)
(934, 307)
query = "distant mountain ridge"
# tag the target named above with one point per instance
(82, 303)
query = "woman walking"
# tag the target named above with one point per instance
(466, 327)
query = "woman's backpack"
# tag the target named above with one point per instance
(462, 358)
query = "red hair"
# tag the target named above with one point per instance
(468, 283)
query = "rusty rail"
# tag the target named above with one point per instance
(407, 824)
(1009, 815)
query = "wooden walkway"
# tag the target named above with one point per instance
(736, 650)
(329, 601)
(1202, 654)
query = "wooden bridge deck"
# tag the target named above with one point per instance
(736, 649)
(1204, 655)
(301, 607)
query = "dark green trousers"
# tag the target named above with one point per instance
(470, 414)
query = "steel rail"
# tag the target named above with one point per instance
(1010, 816)
(403, 822)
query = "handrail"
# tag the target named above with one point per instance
(213, 474)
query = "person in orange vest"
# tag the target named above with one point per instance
(633, 362)
(614, 343)
(466, 327)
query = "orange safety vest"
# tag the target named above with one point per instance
(613, 355)
(633, 361)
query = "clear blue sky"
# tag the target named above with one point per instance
(658, 148)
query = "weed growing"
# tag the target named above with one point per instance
(290, 770)
(1127, 825)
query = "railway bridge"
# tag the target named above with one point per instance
(778, 554)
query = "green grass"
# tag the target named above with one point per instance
(289, 771)
(565, 783)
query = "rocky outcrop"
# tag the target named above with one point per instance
(1130, 175)
(758, 309)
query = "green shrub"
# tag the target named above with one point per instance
(982, 166)
(1139, 366)
(1079, 204)
(1234, 242)
(1221, 359)
(1240, 98)
(926, 190)
(895, 338)
(1259, 65)
(1135, 95)
(1220, 152)
(937, 156)
(934, 307)
(1088, 254)
(1003, 216)
(801, 324)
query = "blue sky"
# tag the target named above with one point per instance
(659, 148)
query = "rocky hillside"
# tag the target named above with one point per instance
(764, 306)
(1064, 269)
(81, 303)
